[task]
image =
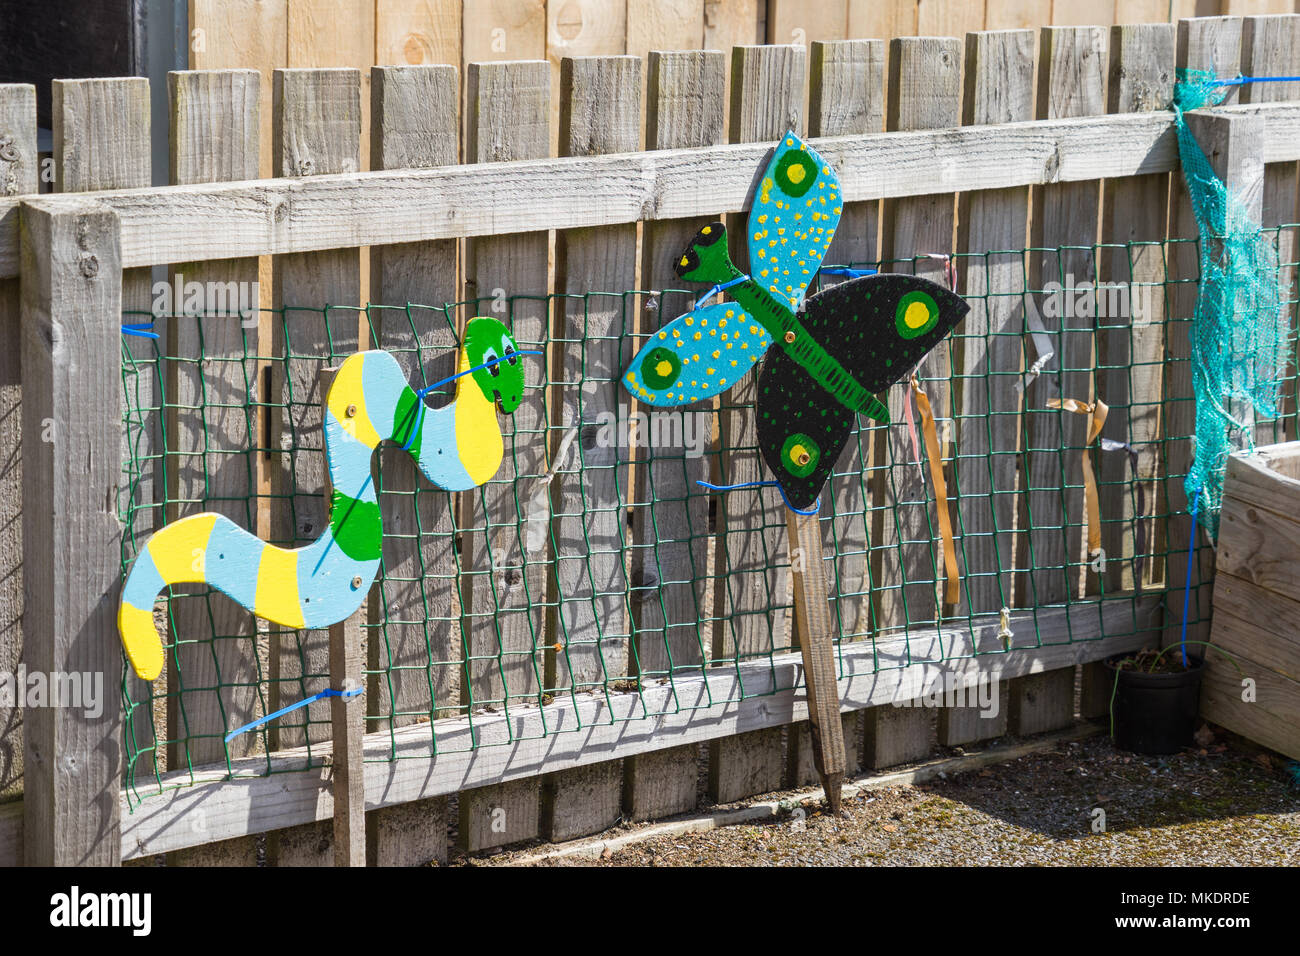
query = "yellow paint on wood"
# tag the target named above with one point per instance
(140, 639)
(178, 550)
(478, 435)
(277, 587)
(347, 403)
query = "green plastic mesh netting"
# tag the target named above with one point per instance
(1239, 333)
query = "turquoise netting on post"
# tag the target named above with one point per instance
(1239, 334)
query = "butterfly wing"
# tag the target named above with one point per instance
(793, 220)
(879, 327)
(801, 429)
(696, 356)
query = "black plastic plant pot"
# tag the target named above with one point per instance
(1156, 713)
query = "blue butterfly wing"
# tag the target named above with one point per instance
(793, 219)
(696, 356)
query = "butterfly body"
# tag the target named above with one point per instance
(835, 350)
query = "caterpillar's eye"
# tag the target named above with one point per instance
(490, 355)
(508, 349)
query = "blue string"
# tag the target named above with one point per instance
(1187, 586)
(845, 271)
(328, 692)
(419, 415)
(1242, 79)
(816, 506)
(720, 287)
(139, 328)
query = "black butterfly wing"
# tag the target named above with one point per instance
(797, 418)
(878, 327)
(881, 326)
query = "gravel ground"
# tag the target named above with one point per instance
(1226, 803)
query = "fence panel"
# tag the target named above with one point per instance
(532, 708)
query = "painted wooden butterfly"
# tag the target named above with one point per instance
(838, 348)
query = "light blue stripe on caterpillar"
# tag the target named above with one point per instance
(325, 576)
(232, 561)
(382, 383)
(439, 459)
(144, 583)
(349, 461)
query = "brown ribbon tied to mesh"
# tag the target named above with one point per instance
(952, 588)
(1098, 411)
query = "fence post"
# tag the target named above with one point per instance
(72, 395)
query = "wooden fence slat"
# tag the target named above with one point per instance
(214, 137)
(211, 426)
(19, 173)
(72, 393)
(684, 109)
(1131, 347)
(848, 96)
(317, 127)
(654, 25)
(415, 33)
(415, 663)
(1204, 43)
(751, 555)
(924, 92)
(999, 88)
(1270, 46)
(600, 110)
(508, 116)
(101, 141)
(1072, 82)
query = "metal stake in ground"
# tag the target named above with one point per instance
(814, 629)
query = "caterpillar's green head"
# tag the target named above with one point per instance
(502, 382)
(706, 258)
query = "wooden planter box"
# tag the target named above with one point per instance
(1257, 600)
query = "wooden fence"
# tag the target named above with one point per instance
(976, 143)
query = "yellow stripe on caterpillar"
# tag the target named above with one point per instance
(140, 640)
(277, 587)
(179, 550)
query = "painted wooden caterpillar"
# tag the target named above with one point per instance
(458, 447)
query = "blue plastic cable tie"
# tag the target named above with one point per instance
(816, 506)
(139, 328)
(328, 692)
(720, 287)
(846, 271)
(420, 393)
(1242, 79)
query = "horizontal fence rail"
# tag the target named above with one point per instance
(274, 217)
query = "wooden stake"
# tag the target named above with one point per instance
(814, 630)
